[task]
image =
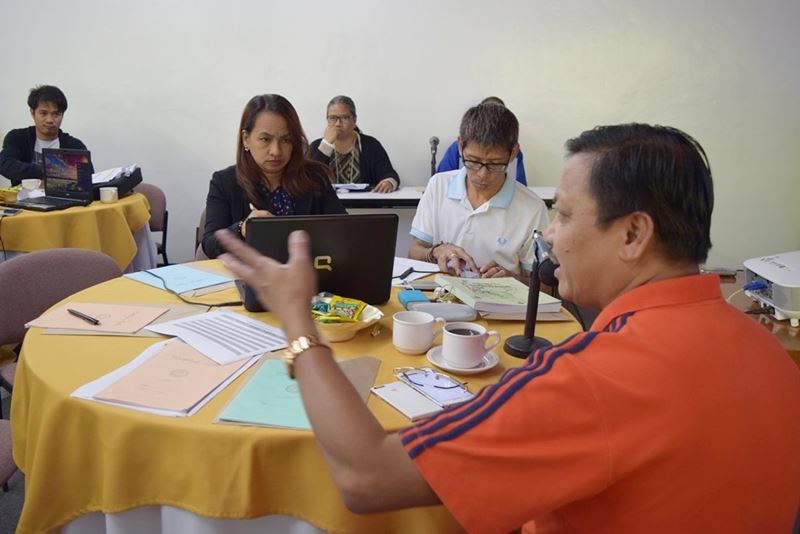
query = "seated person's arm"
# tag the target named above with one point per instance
(449, 257)
(12, 161)
(493, 269)
(387, 178)
(322, 149)
(219, 214)
(370, 468)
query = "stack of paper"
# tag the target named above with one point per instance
(271, 398)
(181, 278)
(224, 336)
(351, 187)
(111, 318)
(168, 378)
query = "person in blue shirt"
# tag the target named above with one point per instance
(452, 159)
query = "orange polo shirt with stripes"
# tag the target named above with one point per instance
(674, 413)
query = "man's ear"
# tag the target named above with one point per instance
(639, 233)
(33, 112)
(514, 153)
(460, 148)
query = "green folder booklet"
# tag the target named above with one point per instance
(271, 398)
(496, 295)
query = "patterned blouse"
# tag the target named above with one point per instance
(278, 202)
(347, 167)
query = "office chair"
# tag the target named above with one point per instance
(33, 282)
(7, 465)
(199, 253)
(159, 216)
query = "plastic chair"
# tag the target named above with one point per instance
(159, 216)
(33, 282)
(7, 465)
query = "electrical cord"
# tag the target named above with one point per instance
(187, 301)
(755, 285)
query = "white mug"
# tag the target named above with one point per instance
(464, 344)
(108, 194)
(413, 331)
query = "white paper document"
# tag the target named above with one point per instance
(224, 336)
(88, 391)
(106, 175)
(419, 269)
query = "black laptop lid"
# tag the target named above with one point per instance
(67, 173)
(352, 254)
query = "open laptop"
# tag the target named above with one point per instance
(352, 254)
(67, 177)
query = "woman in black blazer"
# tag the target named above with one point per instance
(272, 175)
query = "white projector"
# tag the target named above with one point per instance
(780, 276)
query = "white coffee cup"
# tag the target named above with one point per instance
(108, 194)
(413, 331)
(464, 344)
(30, 184)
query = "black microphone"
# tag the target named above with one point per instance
(543, 270)
(434, 142)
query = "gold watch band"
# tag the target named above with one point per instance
(296, 348)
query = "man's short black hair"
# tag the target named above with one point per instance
(658, 170)
(489, 125)
(47, 93)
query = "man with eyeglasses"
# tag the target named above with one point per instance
(21, 157)
(478, 219)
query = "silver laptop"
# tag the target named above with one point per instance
(67, 181)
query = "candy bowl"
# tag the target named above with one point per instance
(335, 332)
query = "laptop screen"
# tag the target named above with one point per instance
(67, 173)
(353, 254)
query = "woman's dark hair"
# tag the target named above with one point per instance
(658, 170)
(297, 174)
(47, 93)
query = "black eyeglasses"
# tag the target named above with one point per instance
(333, 119)
(426, 378)
(473, 165)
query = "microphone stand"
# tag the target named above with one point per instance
(433, 158)
(522, 346)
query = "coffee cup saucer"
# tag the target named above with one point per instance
(490, 359)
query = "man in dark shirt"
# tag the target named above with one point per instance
(21, 157)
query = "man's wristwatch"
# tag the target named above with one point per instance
(296, 348)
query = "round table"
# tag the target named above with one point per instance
(118, 229)
(81, 457)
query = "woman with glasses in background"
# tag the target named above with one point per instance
(353, 156)
(272, 175)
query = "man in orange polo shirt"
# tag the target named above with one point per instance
(673, 413)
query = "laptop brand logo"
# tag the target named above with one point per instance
(323, 263)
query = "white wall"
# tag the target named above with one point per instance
(162, 84)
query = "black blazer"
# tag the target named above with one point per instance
(227, 205)
(374, 161)
(16, 159)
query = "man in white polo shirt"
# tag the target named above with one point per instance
(477, 218)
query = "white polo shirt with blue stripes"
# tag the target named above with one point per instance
(500, 229)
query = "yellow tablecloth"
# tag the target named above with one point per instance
(79, 456)
(107, 228)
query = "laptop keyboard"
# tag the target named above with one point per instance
(52, 201)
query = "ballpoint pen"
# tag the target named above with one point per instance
(80, 315)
